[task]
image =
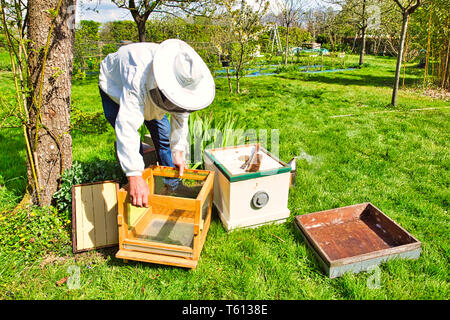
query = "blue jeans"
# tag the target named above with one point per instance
(159, 131)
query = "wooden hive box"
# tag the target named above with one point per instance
(248, 199)
(173, 229)
(355, 238)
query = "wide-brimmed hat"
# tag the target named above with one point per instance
(182, 76)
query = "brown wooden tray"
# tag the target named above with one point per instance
(354, 238)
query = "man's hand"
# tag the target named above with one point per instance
(139, 191)
(178, 161)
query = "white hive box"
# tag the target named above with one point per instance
(248, 199)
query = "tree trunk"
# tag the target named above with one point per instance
(141, 31)
(287, 46)
(230, 88)
(399, 58)
(49, 132)
(445, 76)
(363, 34)
(354, 41)
(363, 45)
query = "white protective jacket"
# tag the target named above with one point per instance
(126, 77)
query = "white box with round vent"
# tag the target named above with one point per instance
(248, 199)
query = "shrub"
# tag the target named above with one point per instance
(85, 173)
(88, 122)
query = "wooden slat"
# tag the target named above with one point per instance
(147, 173)
(158, 251)
(204, 232)
(206, 187)
(98, 207)
(150, 180)
(173, 215)
(172, 202)
(109, 193)
(332, 216)
(88, 217)
(78, 221)
(197, 218)
(186, 175)
(157, 258)
(207, 191)
(122, 211)
(145, 243)
(170, 172)
(390, 231)
(380, 253)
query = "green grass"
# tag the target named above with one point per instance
(396, 158)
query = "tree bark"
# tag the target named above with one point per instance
(230, 88)
(363, 45)
(445, 68)
(49, 133)
(141, 31)
(399, 58)
(363, 34)
(354, 41)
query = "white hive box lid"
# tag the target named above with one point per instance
(229, 160)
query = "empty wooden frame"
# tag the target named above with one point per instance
(173, 229)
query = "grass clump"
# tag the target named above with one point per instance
(32, 232)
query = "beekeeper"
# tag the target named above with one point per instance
(140, 83)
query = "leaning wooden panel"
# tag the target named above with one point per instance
(173, 229)
(94, 216)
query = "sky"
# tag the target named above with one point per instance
(108, 11)
(104, 11)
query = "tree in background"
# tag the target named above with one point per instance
(361, 14)
(310, 18)
(40, 38)
(407, 7)
(430, 25)
(386, 30)
(142, 9)
(222, 40)
(116, 31)
(288, 13)
(245, 28)
(86, 47)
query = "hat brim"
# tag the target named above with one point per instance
(188, 99)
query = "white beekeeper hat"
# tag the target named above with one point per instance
(182, 77)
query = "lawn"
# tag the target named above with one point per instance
(351, 148)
